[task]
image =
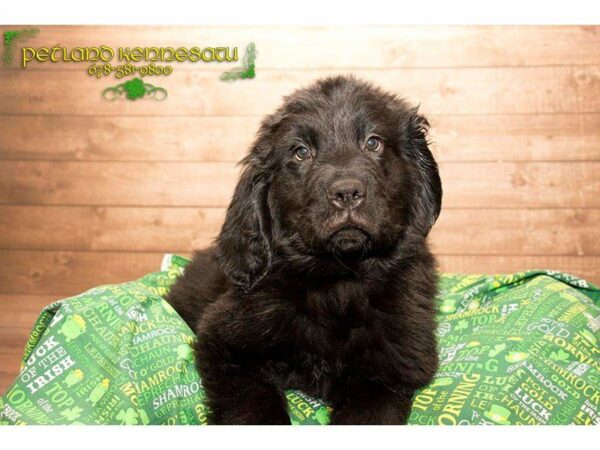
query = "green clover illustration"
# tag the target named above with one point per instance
(246, 70)
(134, 88)
(461, 325)
(249, 73)
(9, 36)
(559, 355)
(322, 415)
(72, 414)
(128, 417)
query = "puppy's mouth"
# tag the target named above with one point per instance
(349, 239)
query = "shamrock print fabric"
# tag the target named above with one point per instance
(514, 349)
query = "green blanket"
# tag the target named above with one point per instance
(514, 349)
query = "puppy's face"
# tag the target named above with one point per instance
(343, 179)
(341, 168)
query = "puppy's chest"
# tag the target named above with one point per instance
(335, 333)
(337, 307)
(338, 334)
(337, 327)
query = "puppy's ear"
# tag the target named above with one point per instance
(243, 246)
(428, 203)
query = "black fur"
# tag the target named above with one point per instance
(298, 292)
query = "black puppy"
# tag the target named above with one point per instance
(321, 279)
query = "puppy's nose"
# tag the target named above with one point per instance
(346, 193)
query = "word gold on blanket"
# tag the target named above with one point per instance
(514, 349)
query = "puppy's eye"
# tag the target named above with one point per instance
(302, 153)
(373, 144)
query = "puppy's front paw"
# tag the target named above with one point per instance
(385, 416)
(259, 405)
(249, 415)
(377, 406)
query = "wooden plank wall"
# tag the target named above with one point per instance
(94, 192)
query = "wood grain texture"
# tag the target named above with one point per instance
(105, 183)
(555, 89)
(108, 228)
(65, 273)
(458, 231)
(517, 232)
(469, 185)
(540, 137)
(522, 185)
(13, 343)
(550, 137)
(90, 138)
(22, 310)
(68, 273)
(294, 47)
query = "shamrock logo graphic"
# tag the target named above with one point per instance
(247, 70)
(134, 88)
(9, 36)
